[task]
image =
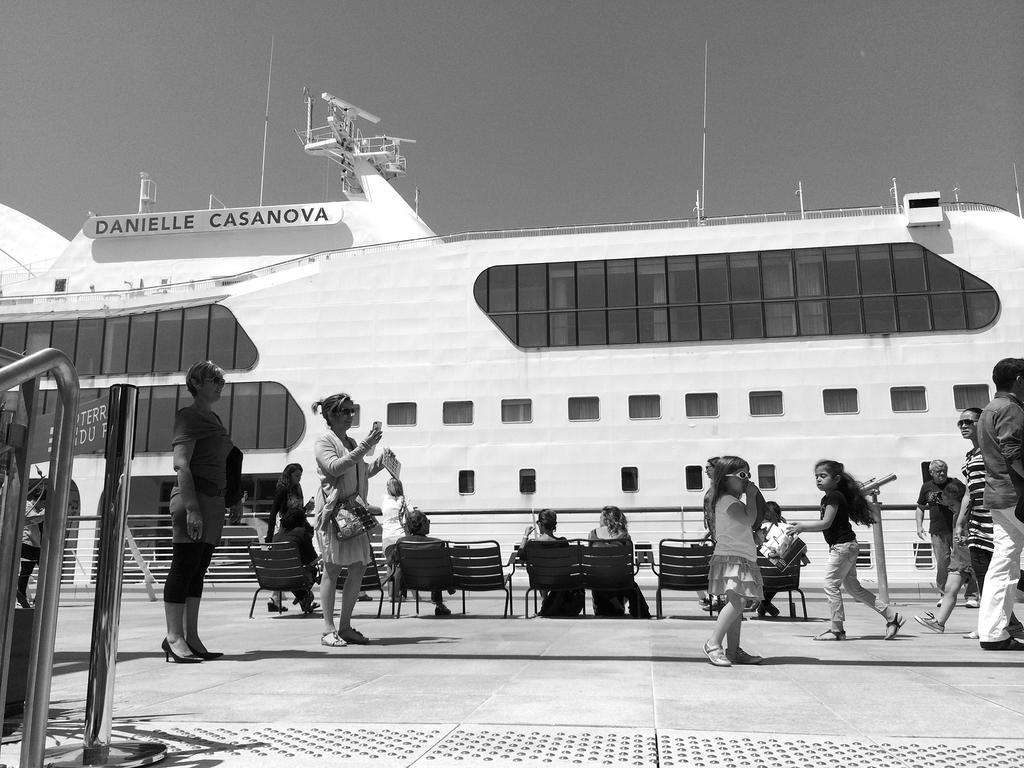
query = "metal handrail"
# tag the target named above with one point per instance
(17, 370)
(101, 297)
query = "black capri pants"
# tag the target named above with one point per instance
(189, 563)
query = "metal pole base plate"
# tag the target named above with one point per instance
(119, 753)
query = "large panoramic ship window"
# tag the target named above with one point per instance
(970, 396)
(846, 290)
(149, 342)
(908, 399)
(259, 415)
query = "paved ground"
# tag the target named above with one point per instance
(483, 690)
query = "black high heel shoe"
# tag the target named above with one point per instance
(169, 654)
(208, 656)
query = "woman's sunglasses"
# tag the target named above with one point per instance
(966, 422)
(742, 475)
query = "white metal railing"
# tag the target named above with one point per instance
(198, 287)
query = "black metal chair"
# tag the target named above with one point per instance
(552, 566)
(371, 580)
(425, 566)
(278, 568)
(788, 581)
(477, 567)
(609, 569)
(683, 565)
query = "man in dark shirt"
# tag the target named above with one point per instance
(942, 496)
(999, 437)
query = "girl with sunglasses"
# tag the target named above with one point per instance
(842, 503)
(734, 571)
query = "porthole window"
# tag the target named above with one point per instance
(970, 396)
(401, 414)
(908, 399)
(584, 409)
(766, 403)
(702, 405)
(527, 481)
(766, 477)
(516, 411)
(630, 479)
(457, 412)
(694, 475)
(837, 401)
(467, 482)
(645, 406)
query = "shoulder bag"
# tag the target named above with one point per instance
(352, 518)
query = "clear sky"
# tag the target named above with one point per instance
(526, 113)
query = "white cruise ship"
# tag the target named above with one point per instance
(568, 367)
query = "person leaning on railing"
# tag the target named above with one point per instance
(208, 469)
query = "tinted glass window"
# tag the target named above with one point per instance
(714, 323)
(970, 396)
(163, 404)
(501, 289)
(467, 482)
(766, 476)
(245, 403)
(533, 280)
(777, 274)
(879, 315)
(527, 481)
(630, 479)
(840, 400)
(516, 410)
(746, 321)
(563, 329)
(906, 399)
(562, 285)
(296, 424)
(142, 420)
(63, 335)
(844, 316)
(591, 328)
(908, 268)
(622, 326)
(115, 344)
(38, 337)
(694, 478)
(457, 412)
(875, 270)
(273, 411)
(744, 276)
(194, 336)
(168, 341)
(942, 275)
(590, 284)
(401, 414)
(842, 272)
(714, 283)
(810, 271)
(222, 337)
(645, 406)
(14, 337)
(766, 403)
(621, 283)
(533, 330)
(651, 284)
(948, 311)
(780, 319)
(480, 291)
(684, 324)
(682, 279)
(981, 309)
(140, 343)
(813, 317)
(653, 325)
(702, 405)
(913, 312)
(90, 342)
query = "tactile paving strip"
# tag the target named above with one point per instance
(686, 749)
(254, 745)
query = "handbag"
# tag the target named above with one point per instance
(784, 550)
(352, 518)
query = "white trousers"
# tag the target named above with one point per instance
(1001, 578)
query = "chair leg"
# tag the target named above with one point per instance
(526, 604)
(803, 600)
(792, 605)
(657, 599)
(253, 606)
(380, 605)
(463, 602)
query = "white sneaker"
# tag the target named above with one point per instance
(972, 635)
(972, 602)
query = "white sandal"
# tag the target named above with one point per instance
(332, 640)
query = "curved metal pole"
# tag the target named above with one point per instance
(44, 629)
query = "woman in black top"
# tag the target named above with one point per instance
(843, 502)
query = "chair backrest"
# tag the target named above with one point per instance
(426, 565)
(371, 577)
(554, 565)
(775, 579)
(608, 566)
(684, 564)
(477, 565)
(278, 567)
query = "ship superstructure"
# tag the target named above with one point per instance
(568, 367)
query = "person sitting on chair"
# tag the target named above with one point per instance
(614, 531)
(295, 530)
(418, 526)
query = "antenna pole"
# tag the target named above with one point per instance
(704, 141)
(266, 121)
(1016, 188)
(800, 194)
(895, 194)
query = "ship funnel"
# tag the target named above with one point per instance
(147, 193)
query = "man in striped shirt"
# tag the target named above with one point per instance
(999, 436)
(974, 523)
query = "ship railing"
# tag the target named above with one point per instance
(908, 560)
(203, 289)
